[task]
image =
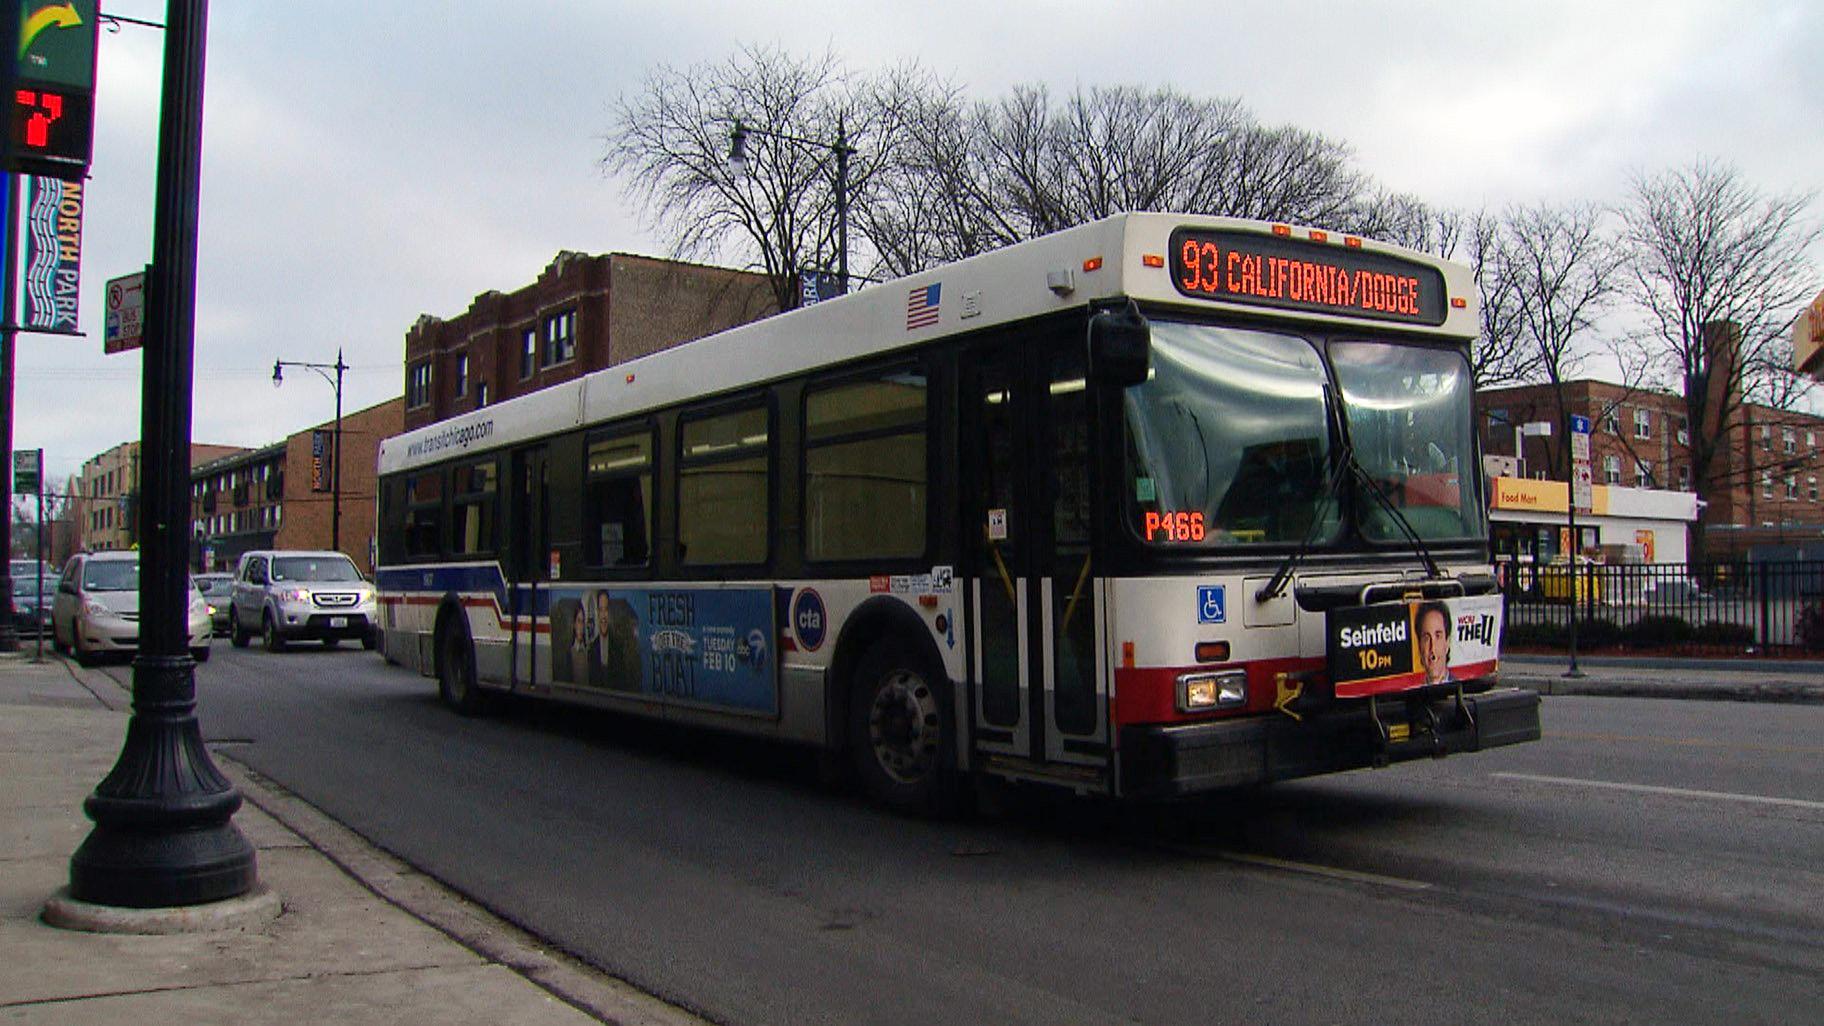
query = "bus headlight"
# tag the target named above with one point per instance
(1201, 692)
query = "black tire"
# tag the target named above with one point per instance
(456, 672)
(900, 731)
(371, 640)
(237, 634)
(83, 656)
(200, 655)
(57, 644)
(269, 633)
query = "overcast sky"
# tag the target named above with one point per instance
(365, 163)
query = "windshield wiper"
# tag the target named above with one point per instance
(1346, 465)
(1277, 583)
(1399, 519)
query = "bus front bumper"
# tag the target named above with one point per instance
(1183, 759)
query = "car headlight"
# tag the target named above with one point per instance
(90, 607)
(1201, 692)
(294, 595)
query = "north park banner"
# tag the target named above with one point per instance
(53, 255)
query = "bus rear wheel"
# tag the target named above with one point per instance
(456, 674)
(898, 733)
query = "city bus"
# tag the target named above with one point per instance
(1152, 506)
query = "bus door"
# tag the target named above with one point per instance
(528, 559)
(1035, 634)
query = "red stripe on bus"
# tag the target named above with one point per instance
(1150, 694)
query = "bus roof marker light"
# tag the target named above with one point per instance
(1459, 303)
(1282, 230)
(630, 379)
(1352, 242)
(1092, 264)
(1319, 235)
(1152, 260)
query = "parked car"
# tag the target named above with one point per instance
(96, 608)
(1669, 591)
(218, 591)
(290, 596)
(29, 617)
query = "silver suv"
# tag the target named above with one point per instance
(290, 596)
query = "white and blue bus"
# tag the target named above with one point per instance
(1150, 506)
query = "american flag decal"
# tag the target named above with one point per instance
(921, 306)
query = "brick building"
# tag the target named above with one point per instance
(106, 492)
(309, 501)
(280, 496)
(1764, 482)
(582, 314)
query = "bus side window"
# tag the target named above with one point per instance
(474, 508)
(617, 501)
(724, 482)
(424, 513)
(865, 483)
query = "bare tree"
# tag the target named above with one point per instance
(670, 143)
(976, 176)
(1562, 274)
(1717, 268)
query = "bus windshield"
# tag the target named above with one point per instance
(1408, 415)
(1228, 442)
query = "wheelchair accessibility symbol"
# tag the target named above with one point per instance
(1212, 603)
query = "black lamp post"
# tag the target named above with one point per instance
(335, 469)
(737, 158)
(164, 833)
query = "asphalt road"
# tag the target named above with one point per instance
(1651, 861)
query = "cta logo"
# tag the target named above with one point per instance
(809, 619)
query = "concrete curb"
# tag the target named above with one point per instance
(249, 910)
(1775, 691)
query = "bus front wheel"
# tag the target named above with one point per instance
(456, 674)
(897, 731)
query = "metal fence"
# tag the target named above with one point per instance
(1739, 607)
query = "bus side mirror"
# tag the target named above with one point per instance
(1120, 346)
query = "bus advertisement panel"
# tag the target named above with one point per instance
(1393, 646)
(705, 646)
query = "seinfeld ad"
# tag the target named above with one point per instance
(1394, 646)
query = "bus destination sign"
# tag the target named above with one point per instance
(1293, 274)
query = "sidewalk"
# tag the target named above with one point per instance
(1737, 680)
(362, 938)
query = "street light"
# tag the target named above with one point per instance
(335, 471)
(737, 161)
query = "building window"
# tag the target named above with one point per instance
(1684, 478)
(1767, 437)
(462, 375)
(1611, 470)
(1643, 473)
(481, 394)
(1811, 439)
(1497, 419)
(1643, 423)
(1611, 422)
(1766, 484)
(1684, 431)
(1792, 486)
(1811, 488)
(418, 386)
(1788, 441)
(528, 354)
(560, 338)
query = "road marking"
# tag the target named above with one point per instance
(1689, 742)
(1307, 868)
(1677, 792)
